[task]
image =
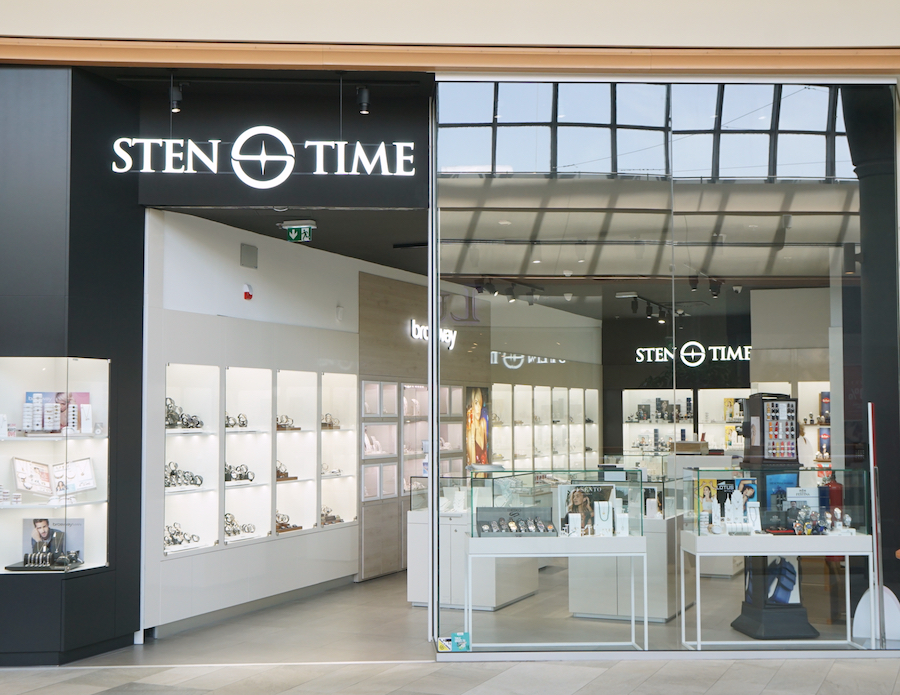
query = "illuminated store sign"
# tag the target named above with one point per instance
(512, 360)
(271, 149)
(420, 332)
(693, 354)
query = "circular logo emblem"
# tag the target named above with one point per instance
(286, 160)
(513, 361)
(693, 354)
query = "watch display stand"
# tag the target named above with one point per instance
(296, 451)
(765, 611)
(339, 453)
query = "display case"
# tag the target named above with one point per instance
(380, 399)
(296, 450)
(720, 414)
(501, 428)
(451, 401)
(576, 429)
(414, 436)
(338, 449)
(54, 484)
(192, 468)
(772, 501)
(379, 440)
(523, 428)
(248, 454)
(565, 503)
(379, 481)
(653, 419)
(591, 428)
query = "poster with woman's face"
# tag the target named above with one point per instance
(579, 499)
(477, 432)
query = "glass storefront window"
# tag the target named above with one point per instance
(675, 297)
(467, 102)
(465, 150)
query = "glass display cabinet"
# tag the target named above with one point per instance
(296, 451)
(339, 448)
(54, 486)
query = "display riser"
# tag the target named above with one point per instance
(203, 582)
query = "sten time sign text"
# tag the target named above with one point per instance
(262, 157)
(694, 353)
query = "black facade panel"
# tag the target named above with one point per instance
(32, 608)
(33, 326)
(88, 613)
(34, 170)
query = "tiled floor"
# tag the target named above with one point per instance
(365, 638)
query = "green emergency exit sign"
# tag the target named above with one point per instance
(301, 233)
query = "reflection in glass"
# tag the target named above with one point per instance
(747, 107)
(743, 155)
(692, 155)
(464, 149)
(803, 108)
(583, 150)
(843, 165)
(641, 151)
(466, 102)
(520, 102)
(839, 119)
(801, 156)
(583, 103)
(641, 104)
(523, 149)
(694, 106)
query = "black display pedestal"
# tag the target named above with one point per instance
(766, 621)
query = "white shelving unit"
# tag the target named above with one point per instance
(296, 448)
(339, 447)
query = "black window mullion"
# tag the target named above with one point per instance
(773, 133)
(613, 144)
(667, 131)
(717, 134)
(830, 128)
(554, 123)
(494, 129)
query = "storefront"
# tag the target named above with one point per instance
(660, 310)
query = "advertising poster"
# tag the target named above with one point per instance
(579, 499)
(477, 426)
(53, 535)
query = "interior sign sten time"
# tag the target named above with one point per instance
(693, 354)
(262, 157)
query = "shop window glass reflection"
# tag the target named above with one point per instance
(843, 165)
(583, 150)
(466, 102)
(747, 107)
(523, 149)
(839, 120)
(641, 104)
(742, 156)
(464, 150)
(583, 103)
(641, 151)
(524, 103)
(801, 156)
(694, 106)
(803, 108)
(692, 156)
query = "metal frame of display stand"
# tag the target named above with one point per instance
(771, 545)
(563, 546)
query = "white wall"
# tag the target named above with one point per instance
(294, 284)
(797, 318)
(714, 23)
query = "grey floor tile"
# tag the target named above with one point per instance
(799, 677)
(622, 678)
(868, 676)
(547, 678)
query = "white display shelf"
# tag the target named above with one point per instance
(282, 481)
(245, 537)
(245, 430)
(188, 490)
(199, 431)
(181, 549)
(240, 484)
(342, 475)
(51, 437)
(340, 524)
(58, 505)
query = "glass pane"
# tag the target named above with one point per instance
(801, 156)
(839, 119)
(743, 155)
(641, 151)
(583, 150)
(843, 165)
(747, 107)
(692, 155)
(803, 108)
(466, 102)
(524, 102)
(523, 149)
(389, 480)
(583, 103)
(694, 106)
(641, 104)
(464, 150)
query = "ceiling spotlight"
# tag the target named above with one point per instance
(535, 254)
(850, 258)
(580, 252)
(568, 296)
(634, 305)
(649, 310)
(626, 295)
(715, 286)
(175, 97)
(362, 100)
(530, 298)
(490, 287)
(567, 273)
(662, 316)
(504, 223)
(694, 280)
(511, 294)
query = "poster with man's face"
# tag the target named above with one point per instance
(53, 535)
(477, 433)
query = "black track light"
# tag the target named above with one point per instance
(695, 281)
(490, 287)
(511, 294)
(662, 316)
(850, 258)
(634, 305)
(649, 310)
(175, 97)
(715, 286)
(362, 100)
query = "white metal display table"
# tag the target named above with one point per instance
(766, 544)
(563, 546)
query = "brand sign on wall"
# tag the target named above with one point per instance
(694, 353)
